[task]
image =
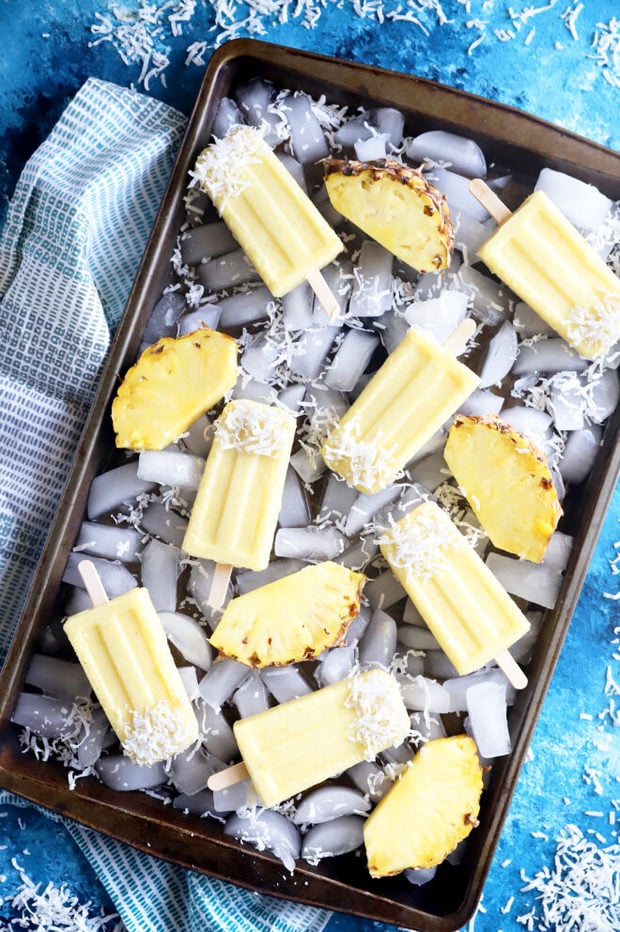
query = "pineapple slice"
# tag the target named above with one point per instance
(431, 808)
(294, 618)
(397, 206)
(171, 385)
(507, 482)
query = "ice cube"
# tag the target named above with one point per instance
(116, 487)
(251, 697)
(277, 569)
(338, 498)
(462, 154)
(368, 505)
(424, 694)
(57, 677)
(285, 683)
(384, 590)
(233, 268)
(417, 638)
(120, 773)
(259, 358)
(171, 467)
(163, 318)
(334, 838)
(481, 401)
(378, 643)
(160, 570)
(294, 168)
(335, 665)
(548, 356)
(189, 638)
(527, 323)
(501, 354)
(245, 307)
(294, 511)
(312, 347)
(206, 242)
(581, 203)
(207, 316)
(371, 295)
(330, 802)
(351, 359)
(221, 680)
(265, 828)
(440, 315)
(227, 115)
(455, 188)
(486, 705)
(313, 544)
(291, 397)
(108, 540)
(371, 149)
(217, 735)
(297, 307)
(115, 577)
(534, 582)
(197, 439)
(580, 451)
(307, 140)
(164, 523)
(191, 769)
(254, 99)
(470, 234)
(490, 299)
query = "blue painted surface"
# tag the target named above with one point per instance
(46, 56)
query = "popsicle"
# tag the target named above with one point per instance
(415, 391)
(275, 222)
(300, 743)
(234, 516)
(548, 263)
(469, 612)
(124, 651)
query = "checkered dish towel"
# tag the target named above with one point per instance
(75, 232)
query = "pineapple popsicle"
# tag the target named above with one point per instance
(300, 743)
(469, 612)
(124, 651)
(415, 391)
(234, 516)
(547, 262)
(276, 224)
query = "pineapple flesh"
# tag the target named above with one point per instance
(507, 482)
(432, 807)
(397, 206)
(171, 385)
(291, 619)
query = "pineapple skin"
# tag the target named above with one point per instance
(395, 205)
(515, 479)
(428, 811)
(173, 382)
(291, 619)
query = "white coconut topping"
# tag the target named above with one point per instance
(157, 734)
(368, 463)
(251, 427)
(220, 169)
(596, 326)
(375, 726)
(419, 548)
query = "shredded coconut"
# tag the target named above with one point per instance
(156, 734)
(419, 546)
(251, 428)
(220, 169)
(368, 463)
(597, 326)
(374, 725)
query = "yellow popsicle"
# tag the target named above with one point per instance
(123, 649)
(469, 612)
(300, 743)
(414, 392)
(234, 516)
(549, 264)
(274, 221)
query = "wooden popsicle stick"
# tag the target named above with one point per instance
(219, 585)
(228, 777)
(460, 336)
(489, 199)
(327, 298)
(511, 669)
(92, 582)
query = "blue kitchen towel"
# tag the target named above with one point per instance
(76, 229)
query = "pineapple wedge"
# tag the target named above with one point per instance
(431, 808)
(171, 385)
(397, 206)
(507, 482)
(294, 618)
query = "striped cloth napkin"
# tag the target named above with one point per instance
(76, 229)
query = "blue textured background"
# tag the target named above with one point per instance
(46, 56)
